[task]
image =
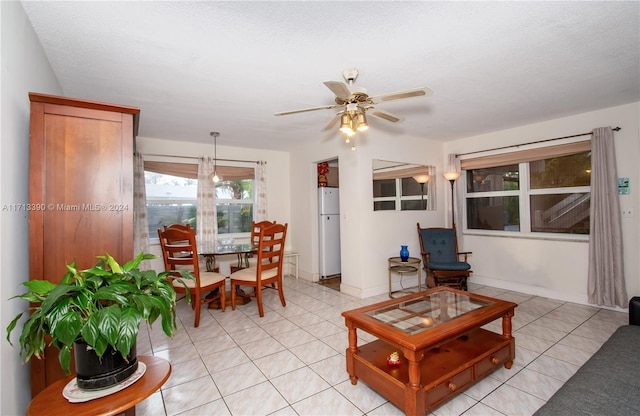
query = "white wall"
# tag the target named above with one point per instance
(368, 238)
(24, 68)
(558, 269)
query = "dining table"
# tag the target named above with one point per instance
(241, 250)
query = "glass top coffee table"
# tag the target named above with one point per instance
(440, 345)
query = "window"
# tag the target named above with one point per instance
(172, 199)
(493, 198)
(402, 194)
(547, 195)
(234, 206)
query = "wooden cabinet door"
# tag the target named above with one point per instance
(81, 175)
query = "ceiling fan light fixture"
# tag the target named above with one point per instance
(354, 101)
(362, 122)
(346, 124)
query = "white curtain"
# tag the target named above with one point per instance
(140, 223)
(431, 189)
(260, 210)
(206, 223)
(606, 283)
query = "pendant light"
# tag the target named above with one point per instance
(215, 178)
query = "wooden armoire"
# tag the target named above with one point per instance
(80, 193)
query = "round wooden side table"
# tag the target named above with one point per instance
(51, 401)
(412, 265)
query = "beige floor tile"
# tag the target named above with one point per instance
(299, 384)
(260, 399)
(189, 395)
(327, 402)
(292, 362)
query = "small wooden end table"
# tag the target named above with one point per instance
(51, 401)
(411, 265)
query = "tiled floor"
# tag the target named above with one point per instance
(291, 362)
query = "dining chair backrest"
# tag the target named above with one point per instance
(255, 236)
(270, 255)
(255, 230)
(183, 227)
(179, 250)
(180, 227)
(180, 254)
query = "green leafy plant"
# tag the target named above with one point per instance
(101, 306)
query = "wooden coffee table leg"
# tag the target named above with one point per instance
(415, 400)
(351, 351)
(506, 332)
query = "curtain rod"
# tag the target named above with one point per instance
(525, 144)
(196, 158)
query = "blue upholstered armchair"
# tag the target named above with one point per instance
(442, 262)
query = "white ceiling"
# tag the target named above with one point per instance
(195, 67)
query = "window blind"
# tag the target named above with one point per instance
(528, 155)
(190, 170)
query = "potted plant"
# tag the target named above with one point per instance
(97, 311)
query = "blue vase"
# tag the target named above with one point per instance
(404, 253)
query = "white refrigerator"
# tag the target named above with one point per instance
(329, 231)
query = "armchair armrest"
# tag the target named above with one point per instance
(464, 253)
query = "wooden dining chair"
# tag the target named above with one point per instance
(180, 253)
(441, 260)
(267, 274)
(255, 234)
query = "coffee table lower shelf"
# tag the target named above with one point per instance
(445, 371)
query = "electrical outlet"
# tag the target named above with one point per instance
(627, 212)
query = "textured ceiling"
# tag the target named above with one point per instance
(194, 67)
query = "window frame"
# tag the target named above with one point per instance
(524, 194)
(398, 198)
(168, 201)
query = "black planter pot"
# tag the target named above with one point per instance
(95, 373)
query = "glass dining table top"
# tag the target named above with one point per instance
(235, 248)
(421, 313)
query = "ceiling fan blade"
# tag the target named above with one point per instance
(304, 110)
(398, 95)
(385, 115)
(340, 89)
(331, 124)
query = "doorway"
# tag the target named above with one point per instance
(329, 222)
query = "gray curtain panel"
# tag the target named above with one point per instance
(606, 283)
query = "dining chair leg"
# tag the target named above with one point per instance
(197, 305)
(223, 297)
(259, 299)
(281, 294)
(233, 296)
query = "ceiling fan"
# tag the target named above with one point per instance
(355, 104)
